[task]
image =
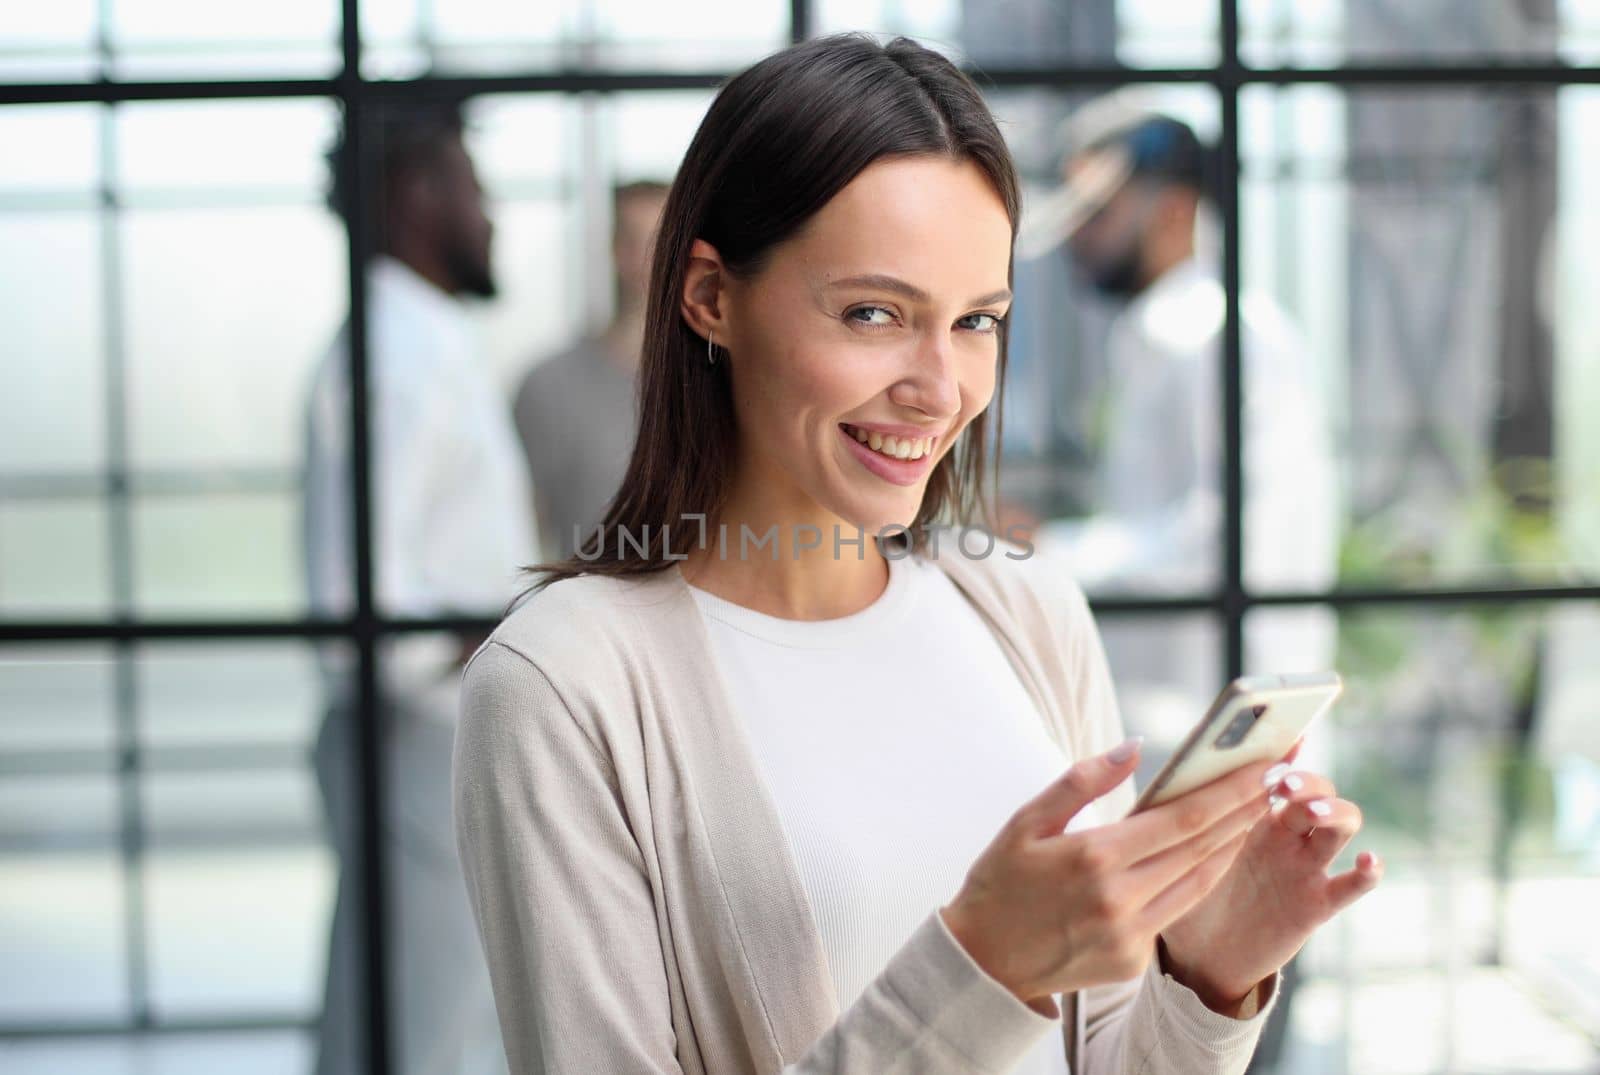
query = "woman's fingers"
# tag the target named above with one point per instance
(1302, 784)
(1345, 888)
(1156, 872)
(1176, 822)
(1179, 898)
(1315, 814)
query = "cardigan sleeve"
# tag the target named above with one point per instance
(556, 881)
(565, 912)
(1152, 1024)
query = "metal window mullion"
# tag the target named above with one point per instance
(428, 33)
(1234, 603)
(1440, 76)
(119, 524)
(354, 95)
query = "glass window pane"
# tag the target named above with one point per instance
(228, 310)
(49, 42)
(1044, 33)
(52, 383)
(1327, 33)
(239, 890)
(54, 557)
(523, 142)
(54, 699)
(238, 1052)
(703, 34)
(647, 134)
(238, 879)
(232, 285)
(1431, 246)
(61, 900)
(218, 554)
(265, 696)
(274, 147)
(196, 39)
(171, 39)
(63, 149)
(1468, 739)
(403, 38)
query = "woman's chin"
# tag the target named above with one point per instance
(886, 522)
(883, 513)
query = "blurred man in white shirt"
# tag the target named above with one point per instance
(452, 521)
(1134, 182)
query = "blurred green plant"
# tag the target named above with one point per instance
(1410, 671)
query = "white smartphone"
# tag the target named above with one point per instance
(1253, 719)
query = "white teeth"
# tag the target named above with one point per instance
(892, 446)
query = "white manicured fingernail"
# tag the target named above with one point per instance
(1320, 808)
(1274, 774)
(1293, 782)
(1124, 750)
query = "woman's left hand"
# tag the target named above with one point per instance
(1276, 893)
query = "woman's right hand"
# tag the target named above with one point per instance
(1044, 911)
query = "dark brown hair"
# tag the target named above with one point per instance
(779, 141)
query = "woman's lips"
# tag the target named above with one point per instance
(896, 471)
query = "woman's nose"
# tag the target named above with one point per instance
(929, 382)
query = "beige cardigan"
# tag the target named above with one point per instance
(635, 893)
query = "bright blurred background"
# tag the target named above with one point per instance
(1415, 188)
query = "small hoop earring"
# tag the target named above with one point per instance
(711, 349)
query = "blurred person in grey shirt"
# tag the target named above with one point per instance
(576, 411)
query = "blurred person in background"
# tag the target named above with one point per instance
(575, 411)
(452, 523)
(1135, 183)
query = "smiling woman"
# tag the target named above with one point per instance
(797, 240)
(806, 812)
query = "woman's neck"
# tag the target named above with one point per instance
(821, 584)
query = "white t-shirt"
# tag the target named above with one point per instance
(896, 742)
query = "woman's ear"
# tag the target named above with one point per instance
(704, 282)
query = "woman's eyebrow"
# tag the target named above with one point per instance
(910, 291)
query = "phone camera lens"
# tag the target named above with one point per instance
(1240, 726)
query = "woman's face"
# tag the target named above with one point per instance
(867, 344)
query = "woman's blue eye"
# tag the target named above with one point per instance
(993, 321)
(871, 310)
